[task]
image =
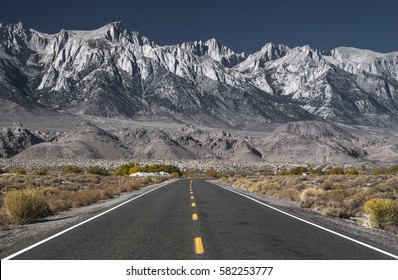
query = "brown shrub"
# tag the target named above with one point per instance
(131, 186)
(310, 196)
(290, 193)
(24, 206)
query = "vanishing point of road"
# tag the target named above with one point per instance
(196, 219)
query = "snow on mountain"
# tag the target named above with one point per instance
(115, 72)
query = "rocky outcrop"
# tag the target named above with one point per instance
(15, 139)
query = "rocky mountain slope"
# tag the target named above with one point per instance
(85, 141)
(305, 142)
(115, 72)
(16, 138)
(302, 142)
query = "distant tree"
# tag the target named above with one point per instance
(134, 169)
(125, 169)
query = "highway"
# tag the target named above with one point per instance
(195, 219)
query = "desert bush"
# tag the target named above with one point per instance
(282, 172)
(42, 172)
(24, 206)
(327, 185)
(298, 170)
(392, 183)
(290, 193)
(309, 196)
(379, 171)
(211, 173)
(337, 210)
(97, 170)
(84, 197)
(316, 171)
(20, 171)
(381, 212)
(72, 169)
(335, 171)
(56, 204)
(67, 199)
(380, 191)
(131, 186)
(268, 187)
(351, 171)
(336, 195)
(296, 183)
(393, 169)
(125, 169)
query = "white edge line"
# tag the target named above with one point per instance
(82, 223)
(310, 223)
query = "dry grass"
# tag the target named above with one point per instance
(61, 191)
(24, 206)
(341, 196)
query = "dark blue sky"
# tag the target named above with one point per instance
(244, 25)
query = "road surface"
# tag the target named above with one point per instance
(195, 219)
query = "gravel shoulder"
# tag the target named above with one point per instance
(387, 241)
(16, 238)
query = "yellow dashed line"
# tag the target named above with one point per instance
(197, 241)
(199, 246)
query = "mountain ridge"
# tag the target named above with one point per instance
(115, 72)
(303, 142)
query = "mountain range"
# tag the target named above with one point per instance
(305, 142)
(113, 72)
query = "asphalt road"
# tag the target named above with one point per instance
(162, 225)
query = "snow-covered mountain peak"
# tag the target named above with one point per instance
(211, 47)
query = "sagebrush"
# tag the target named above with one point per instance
(382, 212)
(27, 205)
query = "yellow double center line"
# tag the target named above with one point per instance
(197, 240)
